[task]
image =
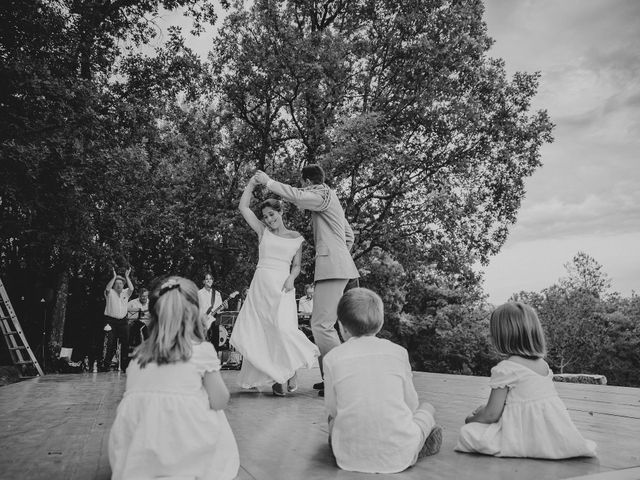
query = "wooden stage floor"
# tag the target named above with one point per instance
(56, 427)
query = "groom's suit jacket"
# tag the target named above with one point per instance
(332, 234)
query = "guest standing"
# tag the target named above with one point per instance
(115, 315)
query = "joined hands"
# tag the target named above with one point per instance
(261, 178)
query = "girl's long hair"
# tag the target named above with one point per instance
(176, 323)
(516, 330)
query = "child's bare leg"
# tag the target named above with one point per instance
(432, 433)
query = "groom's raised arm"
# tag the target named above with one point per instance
(306, 199)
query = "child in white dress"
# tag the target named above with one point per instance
(170, 423)
(524, 416)
(376, 423)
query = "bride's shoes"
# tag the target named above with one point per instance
(278, 389)
(292, 384)
(281, 389)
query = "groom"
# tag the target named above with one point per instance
(333, 239)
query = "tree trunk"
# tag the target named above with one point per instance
(58, 317)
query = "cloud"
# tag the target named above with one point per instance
(600, 104)
(616, 212)
(586, 196)
(588, 53)
(538, 264)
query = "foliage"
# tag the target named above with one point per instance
(572, 322)
(585, 275)
(589, 330)
(114, 158)
(64, 138)
(412, 130)
(442, 323)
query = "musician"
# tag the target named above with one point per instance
(138, 308)
(305, 304)
(139, 319)
(208, 299)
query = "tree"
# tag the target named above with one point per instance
(585, 274)
(61, 139)
(572, 314)
(573, 325)
(425, 138)
(423, 135)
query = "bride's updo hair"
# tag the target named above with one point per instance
(271, 203)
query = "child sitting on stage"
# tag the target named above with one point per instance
(524, 416)
(376, 424)
(170, 422)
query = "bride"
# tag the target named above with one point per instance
(266, 330)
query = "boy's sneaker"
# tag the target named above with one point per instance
(318, 386)
(433, 443)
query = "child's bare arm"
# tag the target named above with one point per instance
(216, 389)
(492, 411)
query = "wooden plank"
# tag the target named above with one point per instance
(626, 474)
(56, 427)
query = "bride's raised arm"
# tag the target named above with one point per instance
(245, 209)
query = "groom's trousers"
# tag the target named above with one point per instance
(326, 296)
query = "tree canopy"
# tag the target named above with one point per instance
(113, 157)
(589, 329)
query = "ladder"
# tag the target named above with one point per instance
(19, 349)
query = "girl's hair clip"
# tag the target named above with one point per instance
(168, 285)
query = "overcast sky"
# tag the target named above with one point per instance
(585, 197)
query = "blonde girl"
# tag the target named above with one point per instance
(524, 416)
(170, 422)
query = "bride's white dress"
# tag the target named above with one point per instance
(266, 331)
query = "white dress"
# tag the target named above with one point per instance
(266, 331)
(535, 422)
(164, 426)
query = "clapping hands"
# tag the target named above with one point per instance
(127, 272)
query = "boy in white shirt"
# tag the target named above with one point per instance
(376, 423)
